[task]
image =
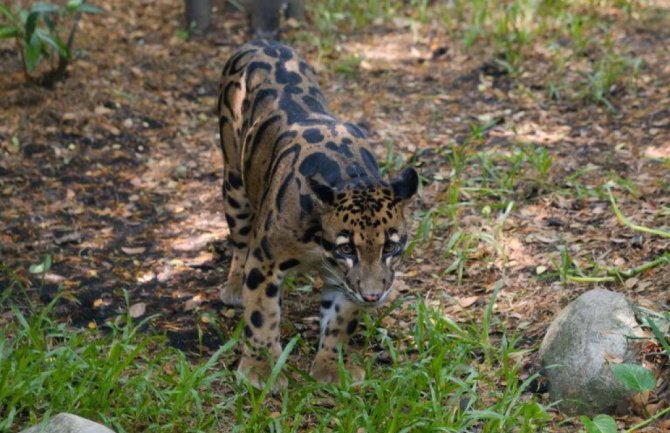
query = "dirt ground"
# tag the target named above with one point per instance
(116, 171)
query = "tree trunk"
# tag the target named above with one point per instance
(296, 9)
(198, 16)
(265, 18)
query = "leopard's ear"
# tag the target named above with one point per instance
(325, 193)
(406, 184)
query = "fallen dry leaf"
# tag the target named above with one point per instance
(137, 310)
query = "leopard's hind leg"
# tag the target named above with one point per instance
(239, 217)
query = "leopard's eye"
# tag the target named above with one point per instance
(391, 248)
(345, 250)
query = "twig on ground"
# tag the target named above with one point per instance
(614, 274)
(625, 221)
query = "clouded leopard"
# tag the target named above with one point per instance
(302, 191)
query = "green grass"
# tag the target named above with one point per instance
(440, 376)
(483, 180)
(608, 72)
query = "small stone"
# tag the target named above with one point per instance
(180, 172)
(69, 423)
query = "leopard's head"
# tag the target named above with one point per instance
(364, 234)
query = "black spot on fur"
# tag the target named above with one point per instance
(226, 96)
(257, 319)
(312, 135)
(293, 150)
(370, 162)
(314, 91)
(310, 233)
(244, 230)
(320, 163)
(233, 203)
(254, 279)
(326, 245)
(260, 134)
(288, 264)
(238, 245)
(260, 96)
(306, 205)
(354, 130)
(354, 170)
(284, 76)
(234, 180)
(232, 67)
(351, 326)
(285, 52)
(271, 290)
(314, 105)
(343, 149)
(304, 68)
(268, 221)
(231, 221)
(255, 66)
(258, 254)
(272, 51)
(265, 245)
(247, 331)
(279, 199)
(294, 111)
(326, 304)
(293, 90)
(325, 193)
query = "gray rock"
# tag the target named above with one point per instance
(596, 326)
(68, 423)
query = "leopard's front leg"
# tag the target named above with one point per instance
(260, 296)
(339, 320)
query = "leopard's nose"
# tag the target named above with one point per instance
(371, 297)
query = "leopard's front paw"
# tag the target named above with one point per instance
(328, 371)
(230, 296)
(258, 371)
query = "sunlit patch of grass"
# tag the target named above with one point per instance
(608, 73)
(334, 18)
(512, 32)
(540, 159)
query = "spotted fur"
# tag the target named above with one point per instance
(302, 191)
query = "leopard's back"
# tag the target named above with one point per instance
(265, 88)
